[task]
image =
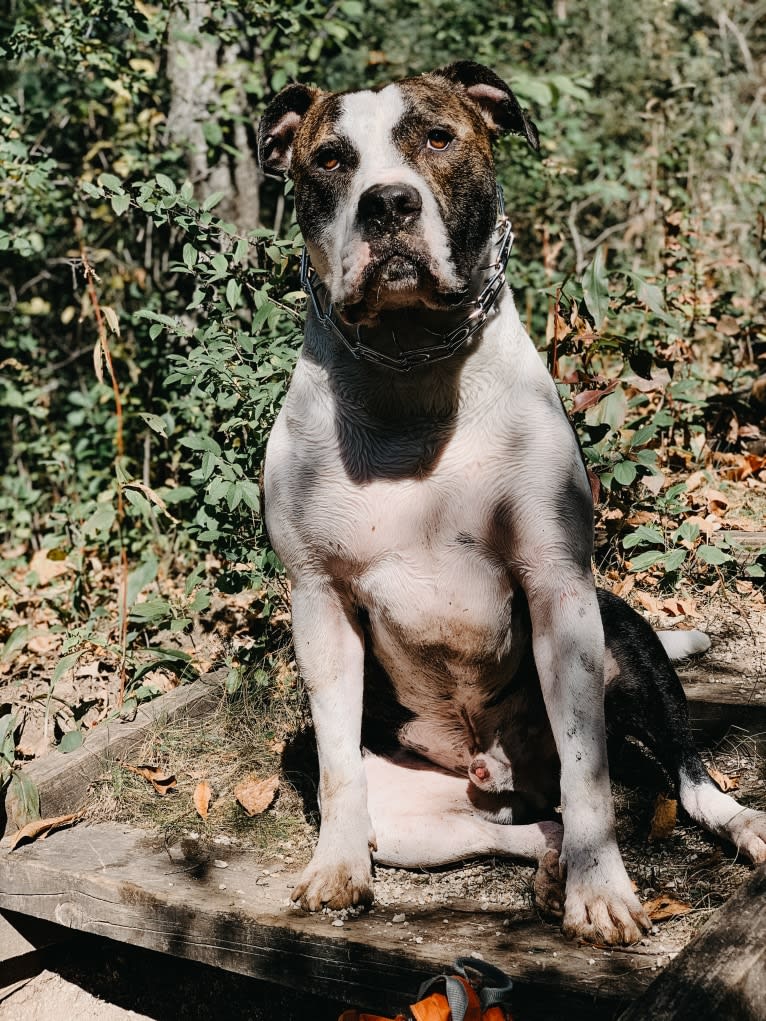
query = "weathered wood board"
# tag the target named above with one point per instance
(121, 883)
(716, 706)
(63, 780)
(721, 975)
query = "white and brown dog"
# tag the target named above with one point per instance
(437, 525)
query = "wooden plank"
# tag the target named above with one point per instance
(121, 883)
(62, 780)
(715, 706)
(722, 973)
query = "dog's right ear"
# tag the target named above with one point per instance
(279, 124)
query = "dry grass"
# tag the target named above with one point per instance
(244, 736)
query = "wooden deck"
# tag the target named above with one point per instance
(119, 882)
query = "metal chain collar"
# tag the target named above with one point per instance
(450, 342)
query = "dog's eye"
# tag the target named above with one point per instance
(439, 139)
(328, 161)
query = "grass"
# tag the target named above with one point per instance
(245, 735)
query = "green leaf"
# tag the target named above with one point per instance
(111, 183)
(120, 203)
(644, 535)
(646, 560)
(23, 799)
(233, 293)
(166, 184)
(189, 255)
(70, 741)
(155, 423)
(65, 664)
(212, 200)
(755, 571)
(689, 530)
(139, 501)
(15, 642)
(644, 434)
(8, 724)
(233, 680)
(142, 576)
(150, 611)
(673, 560)
(625, 472)
(713, 555)
(100, 521)
(595, 285)
(651, 296)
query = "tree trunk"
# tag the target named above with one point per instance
(197, 66)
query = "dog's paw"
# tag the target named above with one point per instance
(747, 831)
(603, 916)
(335, 885)
(600, 904)
(549, 886)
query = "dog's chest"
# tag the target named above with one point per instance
(421, 558)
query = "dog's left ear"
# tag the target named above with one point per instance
(497, 104)
(279, 125)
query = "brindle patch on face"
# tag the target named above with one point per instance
(445, 245)
(462, 176)
(318, 192)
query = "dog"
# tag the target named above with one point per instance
(427, 495)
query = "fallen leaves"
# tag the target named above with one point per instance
(158, 778)
(722, 780)
(49, 564)
(256, 795)
(665, 906)
(664, 818)
(40, 828)
(203, 795)
(252, 793)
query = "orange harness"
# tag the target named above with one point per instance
(478, 992)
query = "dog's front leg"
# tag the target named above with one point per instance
(329, 649)
(569, 651)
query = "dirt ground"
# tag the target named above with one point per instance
(94, 979)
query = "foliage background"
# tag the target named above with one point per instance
(149, 305)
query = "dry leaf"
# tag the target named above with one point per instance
(48, 564)
(203, 794)
(676, 607)
(716, 501)
(43, 643)
(661, 908)
(653, 483)
(648, 602)
(256, 795)
(158, 778)
(41, 828)
(664, 818)
(626, 586)
(726, 783)
(695, 480)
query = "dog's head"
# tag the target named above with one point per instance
(394, 187)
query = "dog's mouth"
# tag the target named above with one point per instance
(397, 280)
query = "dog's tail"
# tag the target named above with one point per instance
(680, 644)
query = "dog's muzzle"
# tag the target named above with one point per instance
(390, 206)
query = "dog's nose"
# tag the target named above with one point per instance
(388, 206)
